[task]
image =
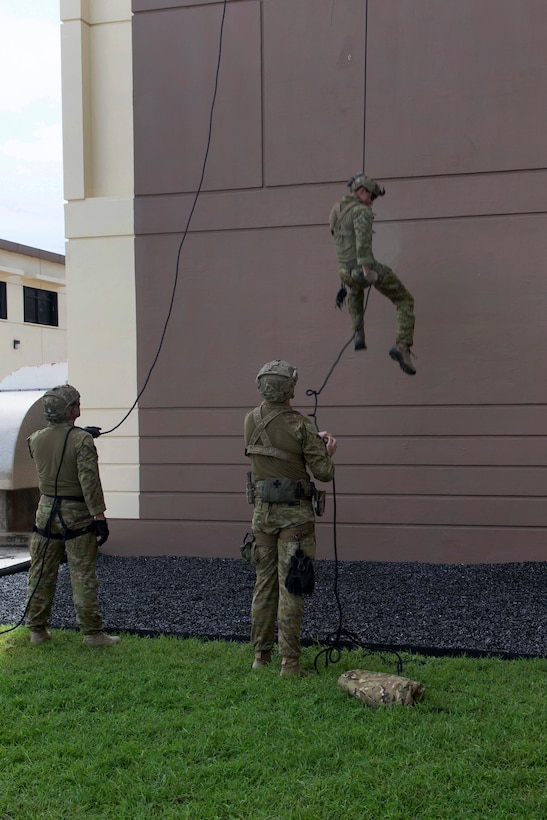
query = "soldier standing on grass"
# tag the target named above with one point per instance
(281, 443)
(70, 516)
(350, 222)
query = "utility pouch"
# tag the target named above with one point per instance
(300, 578)
(250, 489)
(246, 549)
(283, 491)
(319, 500)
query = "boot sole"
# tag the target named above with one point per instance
(397, 357)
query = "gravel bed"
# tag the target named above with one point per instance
(497, 609)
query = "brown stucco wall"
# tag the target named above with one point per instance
(443, 102)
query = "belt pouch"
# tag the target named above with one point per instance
(282, 491)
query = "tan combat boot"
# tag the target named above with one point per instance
(402, 353)
(40, 636)
(359, 336)
(291, 666)
(262, 659)
(101, 639)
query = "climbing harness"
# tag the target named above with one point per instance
(46, 533)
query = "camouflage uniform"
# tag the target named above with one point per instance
(78, 486)
(280, 528)
(351, 224)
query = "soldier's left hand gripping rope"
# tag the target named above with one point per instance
(94, 431)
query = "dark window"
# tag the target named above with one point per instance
(3, 301)
(40, 306)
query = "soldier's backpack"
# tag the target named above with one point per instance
(380, 688)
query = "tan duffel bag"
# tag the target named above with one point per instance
(380, 689)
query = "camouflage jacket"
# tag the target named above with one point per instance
(293, 433)
(77, 474)
(350, 222)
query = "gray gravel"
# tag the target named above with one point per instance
(497, 609)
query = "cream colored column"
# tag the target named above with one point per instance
(99, 223)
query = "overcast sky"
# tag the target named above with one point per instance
(31, 166)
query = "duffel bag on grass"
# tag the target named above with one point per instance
(380, 689)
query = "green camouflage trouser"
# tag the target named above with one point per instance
(44, 567)
(388, 285)
(279, 529)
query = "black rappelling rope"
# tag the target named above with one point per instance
(316, 393)
(342, 638)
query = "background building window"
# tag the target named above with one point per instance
(3, 301)
(40, 306)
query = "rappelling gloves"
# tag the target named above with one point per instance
(93, 431)
(341, 297)
(300, 578)
(101, 531)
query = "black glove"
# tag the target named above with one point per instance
(341, 297)
(94, 431)
(300, 578)
(101, 531)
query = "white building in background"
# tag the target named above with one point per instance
(33, 358)
(32, 307)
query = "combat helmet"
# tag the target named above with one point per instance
(276, 380)
(359, 180)
(58, 402)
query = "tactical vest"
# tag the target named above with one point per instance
(342, 225)
(66, 534)
(336, 217)
(280, 490)
(259, 433)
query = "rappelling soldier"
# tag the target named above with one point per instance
(351, 222)
(69, 519)
(281, 443)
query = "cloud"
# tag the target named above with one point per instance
(30, 64)
(46, 145)
(31, 161)
(34, 225)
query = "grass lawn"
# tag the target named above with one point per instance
(172, 728)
